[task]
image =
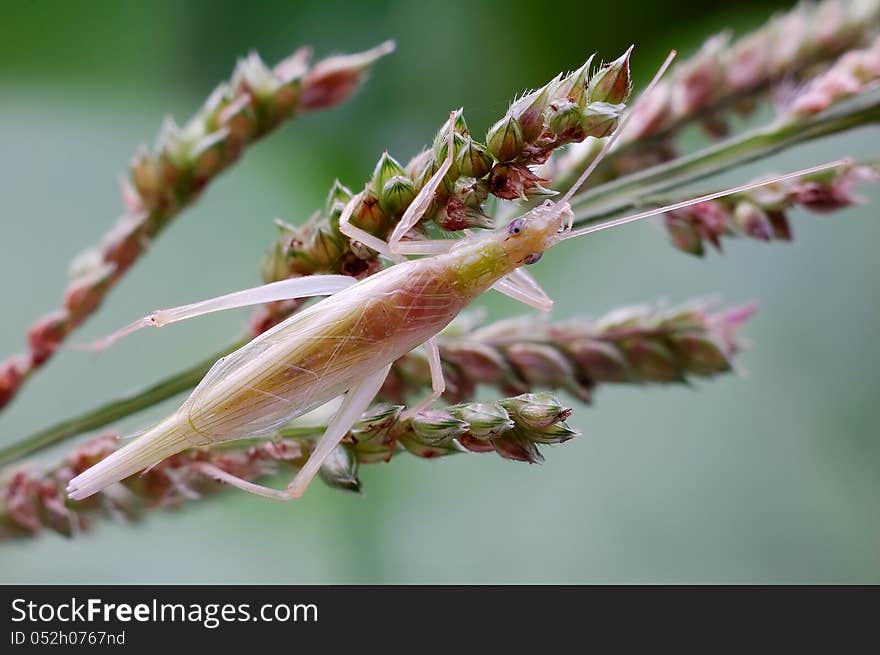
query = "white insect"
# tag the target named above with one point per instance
(346, 343)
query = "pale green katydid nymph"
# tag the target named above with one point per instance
(345, 344)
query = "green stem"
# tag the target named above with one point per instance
(590, 207)
(112, 411)
(627, 192)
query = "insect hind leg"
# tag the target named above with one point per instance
(356, 402)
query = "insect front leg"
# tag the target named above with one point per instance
(355, 233)
(425, 197)
(394, 248)
(520, 285)
(355, 403)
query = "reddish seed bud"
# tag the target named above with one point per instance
(539, 365)
(484, 364)
(368, 214)
(613, 82)
(565, 121)
(651, 360)
(510, 181)
(753, 221)
(600, 361)
(574, 86)
(426, 451)
(12, 371)
(700, 354)
(476, 445)
(84, 296)
(781, 228)
(333, 80)
(683, 234)
(748, 63)
(699, 78)
(513, 446)
(46, 334)
(529, 113)
(715, 125)
(650, 113)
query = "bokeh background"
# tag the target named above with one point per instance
(771, 476)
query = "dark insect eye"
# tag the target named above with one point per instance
(534, 257)
(515, 226)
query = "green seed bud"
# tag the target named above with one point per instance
(505, 139)
(325, 247)
(340, 470)
(486, 420)
(374, 424)
(437, 427)
(613, 82)
(415, 167)
(536, 410)
(600, 118)
(397, 194)
(441, 148)
(557, 433)
(373, 452)
(442, 137)
(473, 160)
(386, 168)
(173, 144)
(254, 75)
(337, 198)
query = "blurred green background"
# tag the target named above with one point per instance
(771, 476)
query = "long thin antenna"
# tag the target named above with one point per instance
(693, 201)
(610, 142)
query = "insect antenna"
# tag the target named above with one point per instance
(623, 123)
(615, 222)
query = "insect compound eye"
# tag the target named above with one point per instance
(515, 226)
(533, 258)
